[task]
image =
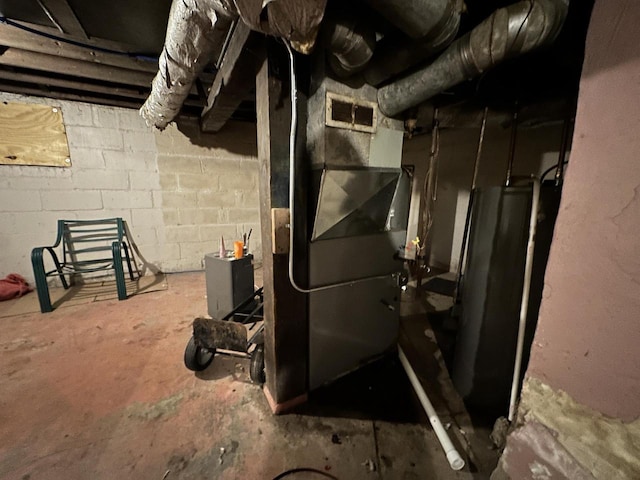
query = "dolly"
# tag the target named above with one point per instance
(229, 336)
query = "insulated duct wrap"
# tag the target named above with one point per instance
(193, 33)
(196, 31)
(507, 33)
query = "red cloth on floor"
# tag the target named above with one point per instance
(13, 286)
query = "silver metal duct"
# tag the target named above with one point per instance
(351, 44)
(431, 24)
(507, 33)
(416, 18)
(195, 29)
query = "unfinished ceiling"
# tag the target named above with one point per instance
(103, 52)
(107, 53)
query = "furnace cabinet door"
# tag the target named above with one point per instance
(350, 326)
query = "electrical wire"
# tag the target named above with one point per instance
(304, 469)
(292, 177)
(57, 38)
(546, 172)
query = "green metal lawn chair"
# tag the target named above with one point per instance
(83, 242)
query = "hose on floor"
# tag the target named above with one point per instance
(304, 469)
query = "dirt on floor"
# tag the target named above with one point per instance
(99, 391)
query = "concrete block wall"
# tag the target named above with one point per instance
(159, 182)
(209, 190)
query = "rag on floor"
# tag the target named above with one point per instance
(13, 286)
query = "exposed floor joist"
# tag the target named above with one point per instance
(235, 78)
(14, 37)
(62, 16)
(33, 80)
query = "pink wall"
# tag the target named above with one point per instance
(588, 337)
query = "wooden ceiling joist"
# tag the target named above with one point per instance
(15, 57)
(234, 80)
(62, 16)
(11, 36)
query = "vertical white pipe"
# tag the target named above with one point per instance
(455, 460)
(524, 304)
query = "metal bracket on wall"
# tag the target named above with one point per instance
(280, 227)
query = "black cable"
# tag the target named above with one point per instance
(50, 36)
(546, 172)
(304, 469)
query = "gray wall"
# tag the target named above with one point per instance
(536, 149)
(177, 194)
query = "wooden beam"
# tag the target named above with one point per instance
(94, 42)
(14, 37)
(62, 16)
(234, 79)
(285, 309)
(81, 87)
(44, 92)
(14, 57)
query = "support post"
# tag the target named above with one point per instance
(285, 309)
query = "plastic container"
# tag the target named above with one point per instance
(238, 249)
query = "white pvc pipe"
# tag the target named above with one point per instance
(524, 304)
(455, 460)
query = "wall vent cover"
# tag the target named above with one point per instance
(351, 113)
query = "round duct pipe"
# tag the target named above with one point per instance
(350, 44)
(507, 33)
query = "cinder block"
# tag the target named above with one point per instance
(130, 119)
(178, 164)
(216, 166)
(187, 181)
(76, 114)
(168, 181)
(104, 117)
(217, 199)
(152, 254)
(212, 233)
(101, 179)
(144, 235)
(33, 171)
(170, 217)
(243, 215)
(34, 221)
(249, 199)
(73, 200)
(183, 233)
(138, 141)
(182, 265)
(94, 137)
(147, 217)
(86, 158)
(35, 183)
(247, 180)
(20, 201)
(125, 200)
(179, 199)
(157, 198)
(144, 181)
(194, 252)
(170, 251)
(136, 161)
(198, 216)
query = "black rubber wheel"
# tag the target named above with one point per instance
(197, 358)
(256, 369)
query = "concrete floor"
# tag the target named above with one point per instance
(99, 391)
